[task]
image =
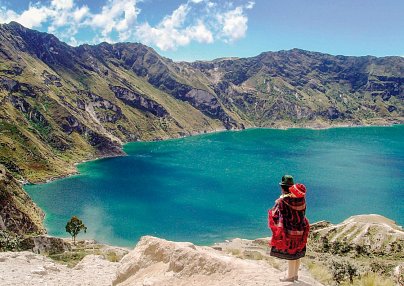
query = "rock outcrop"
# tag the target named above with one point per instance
(367, 246)
(43, 244)
(154, 261)
(157, 261)
(371, 235)
(139, 101)
(18, 213)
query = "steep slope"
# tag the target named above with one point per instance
(369, 235)
(61, 104)
(360, 246)
(18, 213)
(301, 87)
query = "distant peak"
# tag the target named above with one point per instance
(15, 24)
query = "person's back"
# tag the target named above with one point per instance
(289, 225)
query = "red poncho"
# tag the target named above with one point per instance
(290, 228)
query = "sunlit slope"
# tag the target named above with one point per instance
(62, 104)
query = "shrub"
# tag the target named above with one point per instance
(9, 241)
(342, 271)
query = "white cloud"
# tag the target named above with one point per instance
(211, 4)
(177, 18)
(73, 41)
(171, 32)
(62, 4)
(201, 34)
(80, 13)
(250, 5)
(33, 17)
(202, 21)
(119, 15)
(7, 15)
(66, 19)
(234, 24)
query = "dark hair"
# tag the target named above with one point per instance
(285, 189)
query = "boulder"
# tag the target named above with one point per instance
(157, 261)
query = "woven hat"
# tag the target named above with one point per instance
(299, 190)
(287, 180)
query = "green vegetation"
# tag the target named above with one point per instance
(70, 258)
(46, 128)
(359, 251)
(319, 271)
(81, 249)
(371, 279)
(9, 241)
(342, 271)
(74, 226)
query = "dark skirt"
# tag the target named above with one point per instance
(284, 255)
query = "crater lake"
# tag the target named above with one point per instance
(218, 186)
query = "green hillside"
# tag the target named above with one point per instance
(60, 104)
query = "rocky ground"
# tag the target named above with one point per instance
(154, 261)
(366, 249)
(27, 268)
(359, 247)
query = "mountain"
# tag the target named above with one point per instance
(60, 104)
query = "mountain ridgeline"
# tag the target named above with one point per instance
(61, 104)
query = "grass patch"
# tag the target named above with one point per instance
(112, 256)
(234, 251)
(319, 272)
(81, 249)
(70, 258)
(253, 255)
(371, 279)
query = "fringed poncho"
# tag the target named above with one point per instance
(290, 227)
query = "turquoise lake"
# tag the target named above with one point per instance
(212, 187)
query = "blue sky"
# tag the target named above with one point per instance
(207, 29)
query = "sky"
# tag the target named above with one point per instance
(207, 29)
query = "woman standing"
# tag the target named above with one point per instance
(290, 227)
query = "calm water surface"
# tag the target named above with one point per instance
(213, 187)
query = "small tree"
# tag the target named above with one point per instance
(74, 226)
(342, 271)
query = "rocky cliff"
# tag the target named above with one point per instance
(18, 213)
(61, 104)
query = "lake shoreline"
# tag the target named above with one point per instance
(365, 218)
(225, 138)
(289, 127)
